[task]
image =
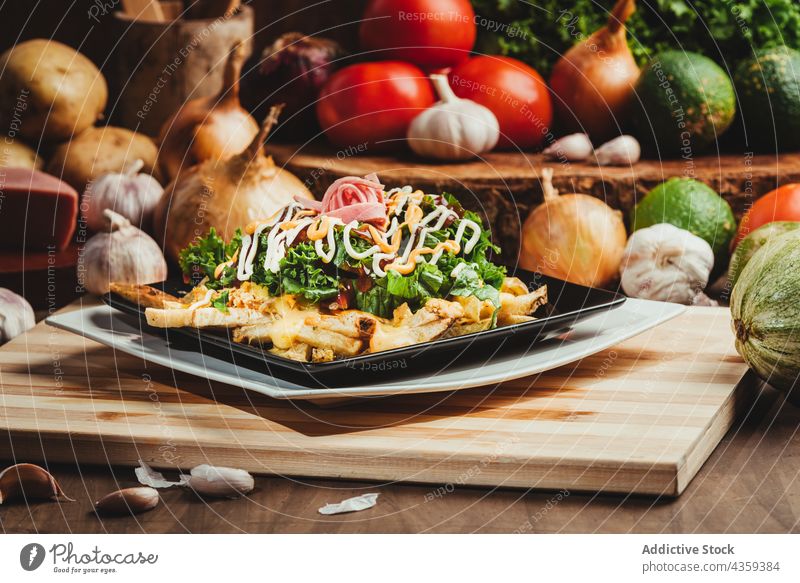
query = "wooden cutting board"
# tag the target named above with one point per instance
(639, 418)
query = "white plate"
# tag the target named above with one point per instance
(112, 328)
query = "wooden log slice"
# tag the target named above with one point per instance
(506, 186)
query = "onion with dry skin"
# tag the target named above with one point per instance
(575, 237)
(594, 81)
(208, 128)
(225, 194)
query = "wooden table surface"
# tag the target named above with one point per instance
(750, 484)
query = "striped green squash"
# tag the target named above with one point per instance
(765, 305)
(753, 242)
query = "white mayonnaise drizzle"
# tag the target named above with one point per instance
(278, 240)
(458, 269)
(476, 234)
(326, 257)
(349, 247)
(376, 263)
(241, 267)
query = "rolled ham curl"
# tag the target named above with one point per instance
(353, 199)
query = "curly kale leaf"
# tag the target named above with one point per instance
(201, 258)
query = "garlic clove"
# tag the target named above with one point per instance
(219, 482)
(621, 151)
(128, 501)
(16, 315)
(571, 148)
(29, 481)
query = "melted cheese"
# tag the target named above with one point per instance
(205, 300)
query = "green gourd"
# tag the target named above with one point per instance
(766, 312)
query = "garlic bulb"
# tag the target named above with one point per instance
(666, 263)
(571, 148)
(219, 481)
(132, 194)
(621, 151)
(16, 315)
(454, 128)
(123, 254)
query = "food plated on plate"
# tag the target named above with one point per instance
(363, 270)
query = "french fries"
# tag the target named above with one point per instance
(290, 330)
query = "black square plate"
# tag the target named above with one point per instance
(568, 303)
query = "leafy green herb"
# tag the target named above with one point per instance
(221, 302)
(469, 283)
(724, 30)
(377, 300)
(201, 258)
(301, 273)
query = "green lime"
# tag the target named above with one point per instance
(690, 205)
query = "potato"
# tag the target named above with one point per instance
(49, 90)
(100, 151)
(15, 154)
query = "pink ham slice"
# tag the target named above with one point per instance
(308, 203)
(352, 199)
(365, 212)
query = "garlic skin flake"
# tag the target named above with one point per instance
(667, 264)
(217, 481)
(571, 148)
(147, 476)
(16, 315)
(356, 504)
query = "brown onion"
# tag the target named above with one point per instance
(594, 81)
(208, 128)
(225, 194)
(575, 237)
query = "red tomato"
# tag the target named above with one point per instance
(782, 204)
(373, 103)
(514, 92)
(428, 33)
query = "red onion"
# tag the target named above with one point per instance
(292, 70)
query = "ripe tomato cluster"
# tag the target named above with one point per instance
(402, 41)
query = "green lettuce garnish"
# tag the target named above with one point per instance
(301, 272)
